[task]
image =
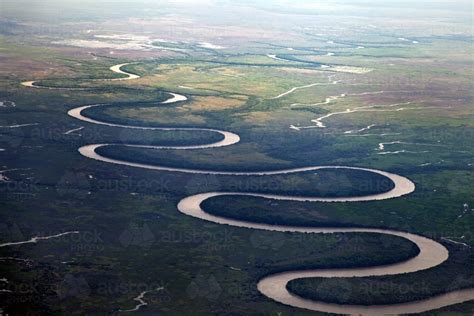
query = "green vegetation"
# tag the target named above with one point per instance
(132, 238)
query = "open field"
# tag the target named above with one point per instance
(388, 93)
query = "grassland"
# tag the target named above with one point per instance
(133, 239)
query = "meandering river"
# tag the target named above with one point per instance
(274, 286)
